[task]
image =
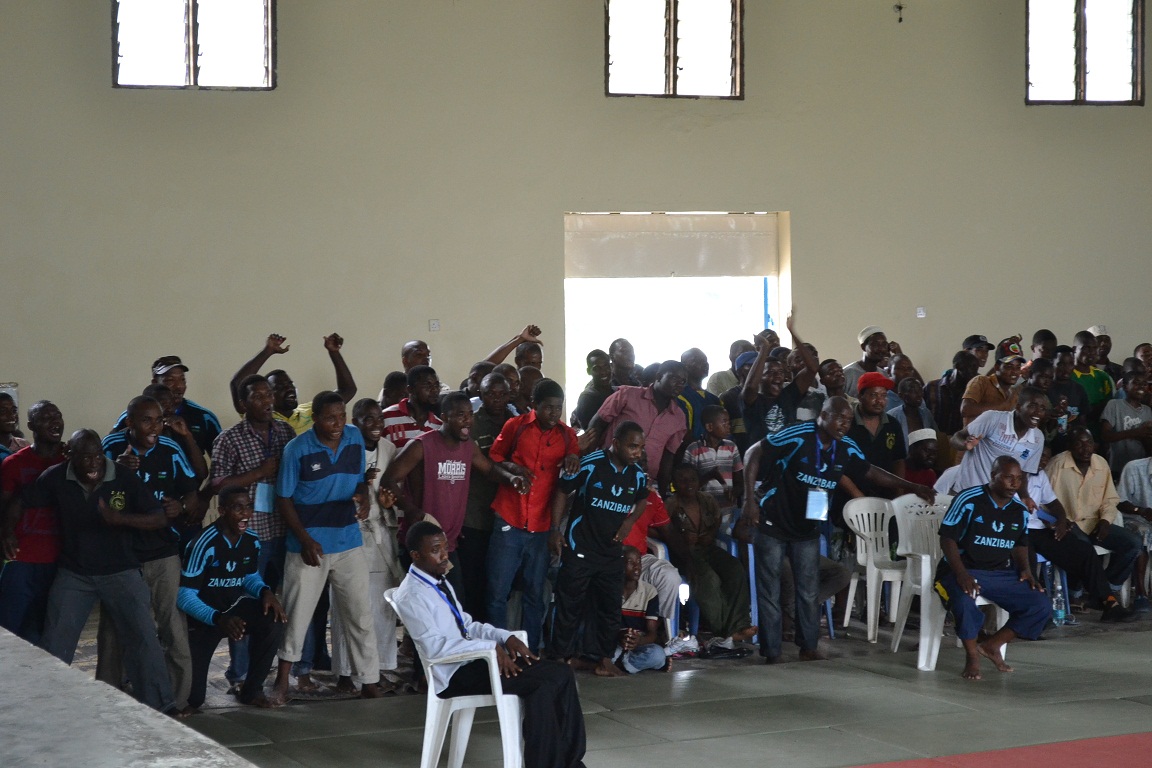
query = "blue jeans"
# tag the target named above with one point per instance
(24, 598)
(1028, 609)
(650, 656)
(512, 551)
(270, 564)
(805, 557)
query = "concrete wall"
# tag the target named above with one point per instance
(417, 157)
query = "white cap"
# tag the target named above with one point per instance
(871, 330)
(1098, 330)
(920, 435)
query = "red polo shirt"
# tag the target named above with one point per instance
(541, 452)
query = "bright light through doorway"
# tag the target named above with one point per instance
(663, 317)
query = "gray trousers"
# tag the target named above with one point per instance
(126, 599)
(163, 579)
(347, 573)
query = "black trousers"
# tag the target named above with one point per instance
(1075, 554)
(472, 551)
(588, 594)
(553, 721)
(264, 635)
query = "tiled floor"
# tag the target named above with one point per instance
(864, 705)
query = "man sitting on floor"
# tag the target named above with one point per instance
(984, 539)
(553, 721)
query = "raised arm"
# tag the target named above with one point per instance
(752, 384)
(273, 345)
(345, 385)
(807, 377)
(530, 333)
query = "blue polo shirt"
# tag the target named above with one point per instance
(321, 483)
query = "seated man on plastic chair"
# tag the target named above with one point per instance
(553, 722)
(985, 545)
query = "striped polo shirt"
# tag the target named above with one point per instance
(321, 483)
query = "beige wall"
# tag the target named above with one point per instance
(417, 157)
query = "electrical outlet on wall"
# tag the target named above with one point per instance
(921, 313)
(433, 325)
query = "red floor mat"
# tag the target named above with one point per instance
(1132, 751)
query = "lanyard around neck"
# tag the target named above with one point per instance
(444, 596)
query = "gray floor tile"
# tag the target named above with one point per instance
(267, 756)
(226, 731)
(297, 722)
(778, 713)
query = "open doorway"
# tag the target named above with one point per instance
(668, 282)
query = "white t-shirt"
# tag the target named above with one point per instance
(997, 433)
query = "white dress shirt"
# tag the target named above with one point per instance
(432, 625)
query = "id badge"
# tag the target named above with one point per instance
(817, 505)
(263, 501)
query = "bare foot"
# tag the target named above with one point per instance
(263, 702)
(344, 684)
(992, 653)
(581, 665)
(370, 691)
(745, 634)
(972, 669)
(306, 683)
(607, 669)
(812, 654)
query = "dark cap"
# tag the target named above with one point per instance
(167, 363)
(1009, 350)
(975, 340)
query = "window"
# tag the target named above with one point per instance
(1085, 52)
(686, 48)
(193, 44)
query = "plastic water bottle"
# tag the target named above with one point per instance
(1058, 602)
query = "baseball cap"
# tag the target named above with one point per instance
(1007, 351)
(976, 340)
(1098, 330)
(920, 435)
(164, 364)
(866, 333)
(873, 379)
(745, 358)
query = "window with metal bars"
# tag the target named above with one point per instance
(193, 44)
(674, 48)
(1086, 52)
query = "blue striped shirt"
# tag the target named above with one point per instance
(321, 483)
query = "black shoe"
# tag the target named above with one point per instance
(1117, 614)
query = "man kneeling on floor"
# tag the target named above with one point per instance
(553, 721)
(224, 596)
(985, 545)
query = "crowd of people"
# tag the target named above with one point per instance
(483, 495)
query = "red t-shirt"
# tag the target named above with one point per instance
(38, 533)
(523, 442)
(922, 476)
(655, 515)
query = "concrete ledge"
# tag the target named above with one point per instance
(55, 716)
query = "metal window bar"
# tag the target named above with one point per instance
(1081, 54)
(671, 54)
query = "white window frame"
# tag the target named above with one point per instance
(1080, 97)
(670, 56)
(191, 50)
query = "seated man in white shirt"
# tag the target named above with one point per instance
(553, 721)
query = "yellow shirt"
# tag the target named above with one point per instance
(1087, 498)
(300, 420)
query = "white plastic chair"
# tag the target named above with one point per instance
(868, 518)
(918, 523)
(462, 709)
